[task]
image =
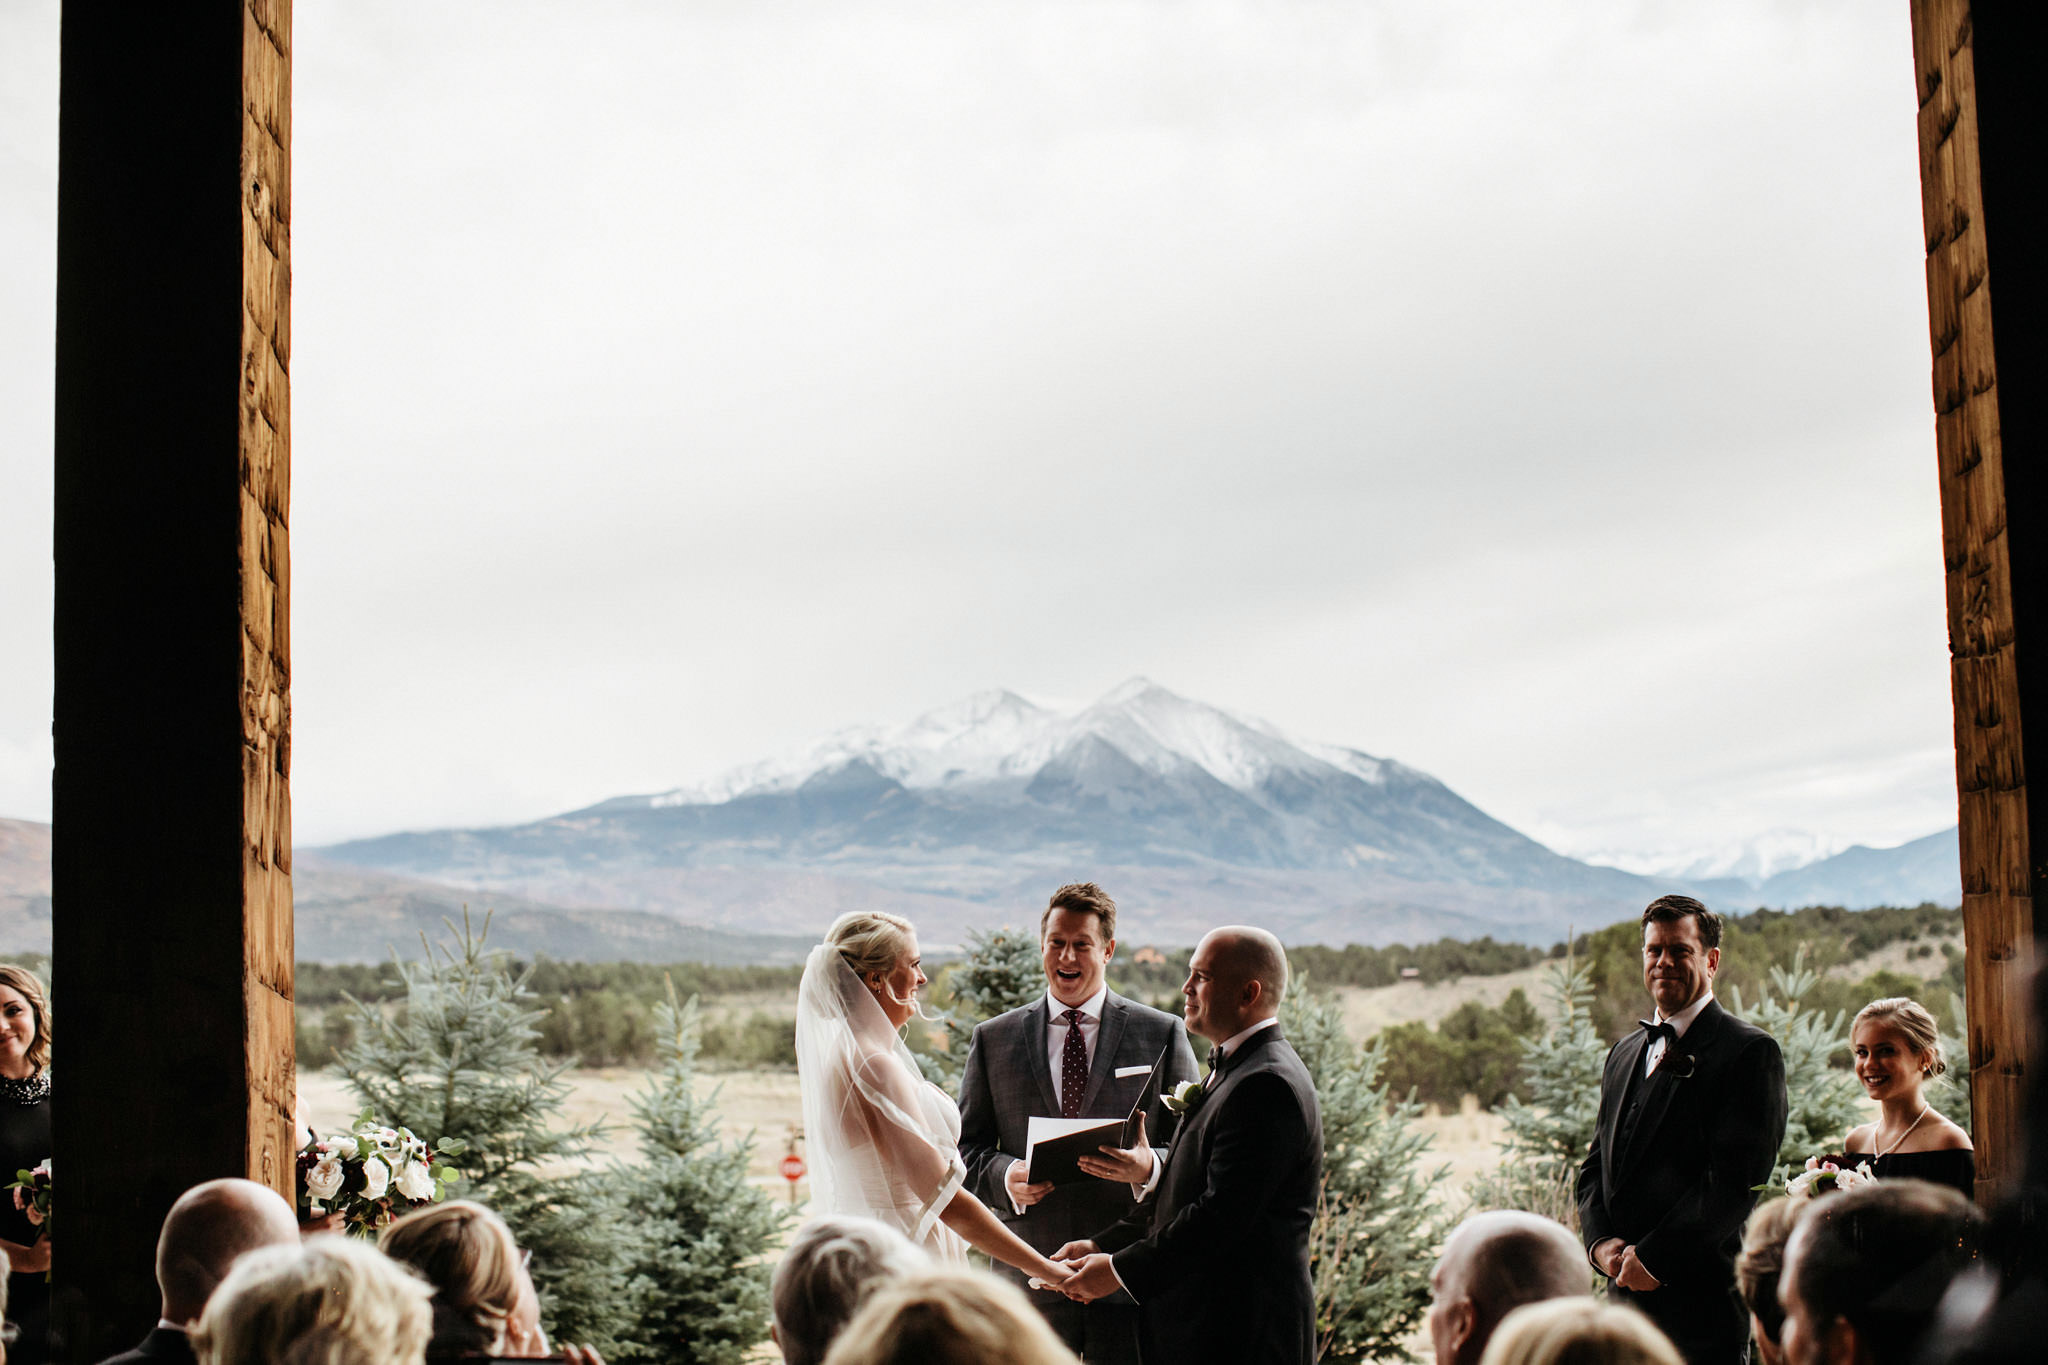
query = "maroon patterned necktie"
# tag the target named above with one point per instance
(1073, 1067)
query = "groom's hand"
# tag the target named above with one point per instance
(1634, 1276)
(1074, 1251)
(1607, 1257)
(1132, 1165)
(1022, 1192)
(1092, 1277)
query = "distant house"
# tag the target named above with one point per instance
(1148, 957)
(1411, 973)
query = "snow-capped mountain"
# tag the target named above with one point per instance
(1194, 814)
(1752, 861)
(969, 815)
(1001, 740)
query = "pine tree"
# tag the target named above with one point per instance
(1550, 1134)
(1378, 1225)
(459, 1059)
(1824, 1102)
(1002, 970)
(700, 1232)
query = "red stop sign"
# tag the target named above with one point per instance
(792, 1167)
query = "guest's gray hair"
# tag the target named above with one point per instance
(830, 1268)
(331, 1301)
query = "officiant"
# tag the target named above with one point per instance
(1078, 1051)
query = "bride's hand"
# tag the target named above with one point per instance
(1048, 1274)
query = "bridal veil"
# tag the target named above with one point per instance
(883, 1143)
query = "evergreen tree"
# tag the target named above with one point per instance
(459, 1058)
(1952, 1089)
(1550, 1134)
(1378, 1226)
(1002, 970)
(700, 1233)
(1824, 1101)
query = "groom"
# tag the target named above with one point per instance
(1082, 1051)
(1217, 1255)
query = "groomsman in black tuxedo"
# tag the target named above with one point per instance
(1079, 1051)
(1217, 1255)
(1692, 1112)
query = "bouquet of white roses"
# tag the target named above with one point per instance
(1823, 1174)
(371, 1174)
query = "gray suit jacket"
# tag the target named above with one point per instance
(1009, 1079)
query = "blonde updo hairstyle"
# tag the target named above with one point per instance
(872, 942)
(26, 984)
(468, 1254)
(1913, 1022)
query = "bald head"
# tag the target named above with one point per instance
(1492, 1264)
(206, 1230)
(1236, 978)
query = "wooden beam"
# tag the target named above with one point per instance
(171, 858)
(1981, 144)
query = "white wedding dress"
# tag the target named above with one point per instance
(884, 1143)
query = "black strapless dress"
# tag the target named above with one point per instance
(1955, 1167)
(24, 1141)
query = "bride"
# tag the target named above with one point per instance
(885, 1143)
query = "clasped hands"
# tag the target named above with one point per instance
(1089, 1275)
(1618, 1262)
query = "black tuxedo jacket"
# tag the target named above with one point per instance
(1009, 1078)
(1217, 1257)
(1672, 1165)
(163, 1346)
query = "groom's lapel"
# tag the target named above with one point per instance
(1031, 1042)
(1108, 1033)
(1676, 1070)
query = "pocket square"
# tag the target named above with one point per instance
(1125, 1072)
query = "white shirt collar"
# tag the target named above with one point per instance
(1682, 1020)
(1092, 1006)
(1230, 1044)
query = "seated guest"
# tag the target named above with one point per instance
(326, 1301)
(1756, 1274)
(830, 1268)
(1493, 1264)
(1578, 1332)
(206, 1231)
(484, 1301)
(1898, 1050)
(1865, 1271)
(949, 1317)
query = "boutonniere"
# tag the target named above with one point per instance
(1185, 1098)
(1683, 1067)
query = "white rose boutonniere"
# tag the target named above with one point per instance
(1184, 1098)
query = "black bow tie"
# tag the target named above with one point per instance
(1656, 1031)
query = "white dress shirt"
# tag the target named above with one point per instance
(1056, 1031)
(1056, 1042)
(1679, 1022)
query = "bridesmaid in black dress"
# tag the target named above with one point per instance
(1898, 1050)
(24, 1142)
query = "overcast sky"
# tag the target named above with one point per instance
(1535, 392)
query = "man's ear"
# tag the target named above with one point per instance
(1713, 961)
(1108, 949)
(1464, 1319)
(1841, 1347)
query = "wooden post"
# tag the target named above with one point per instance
(1981, 148)
(171, 858)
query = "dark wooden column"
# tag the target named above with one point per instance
(171, 865)
(1983, 141)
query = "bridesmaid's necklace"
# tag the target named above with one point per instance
(1924, 1109)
